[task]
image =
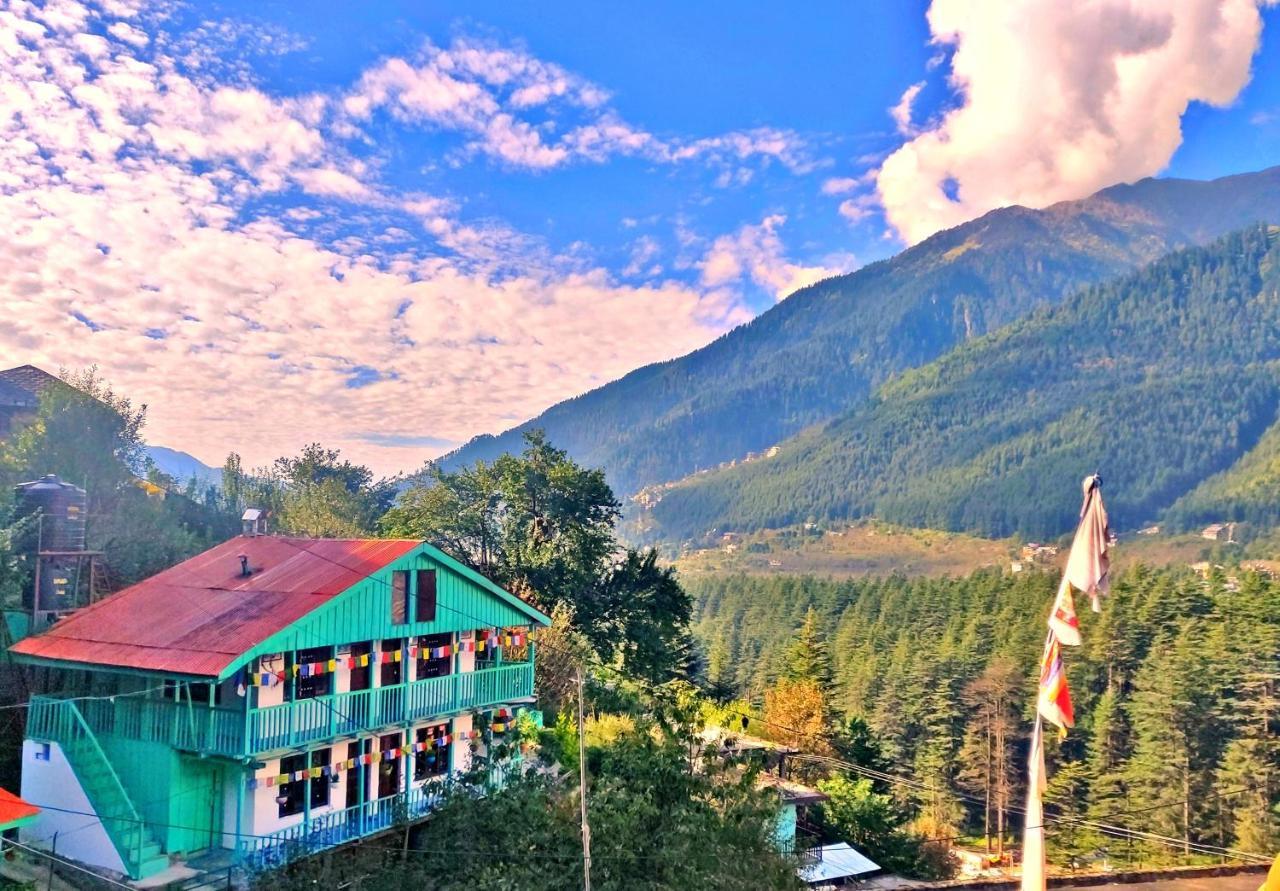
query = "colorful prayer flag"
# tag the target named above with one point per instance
(1063, 620)
(1054, 702)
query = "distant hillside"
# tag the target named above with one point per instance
(868, 548)
(182, 467)
(1161, 379)
(825, 348)
(1248, 491)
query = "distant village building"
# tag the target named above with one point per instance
(269, 698)
(1149, 530)
(1268, 568)
(1033, 552)
(1015, 566)
(1219, 532)
(1203, 568)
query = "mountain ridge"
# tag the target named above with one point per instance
(828, 346)
(1162, 378)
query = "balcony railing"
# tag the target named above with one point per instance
(337, 827)
(292, 724)
(225, 731)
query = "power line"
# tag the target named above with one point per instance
(65, 862)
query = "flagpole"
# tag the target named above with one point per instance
(1087, 569)
(1033, 854)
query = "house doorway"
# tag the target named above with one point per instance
(197, 821)
(389, 767)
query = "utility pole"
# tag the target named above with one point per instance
(582, 792)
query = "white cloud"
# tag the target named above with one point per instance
(755, 253)
(1061, 99)
(839, 185)
(484, 91)
(125, 190)
(859, 207)
(901, 113)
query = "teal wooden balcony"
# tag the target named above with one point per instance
(230, 731)
(309, 720)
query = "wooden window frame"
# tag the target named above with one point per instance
(425, 595)
(399, 597)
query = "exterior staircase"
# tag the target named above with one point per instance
(62, 722)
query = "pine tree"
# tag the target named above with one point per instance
(1249, 785)
(808, 659)
(1177, 734)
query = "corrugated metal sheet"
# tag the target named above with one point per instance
(198, 616)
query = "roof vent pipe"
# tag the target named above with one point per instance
(245, 571)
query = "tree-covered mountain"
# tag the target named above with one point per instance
(826, 347)
(1160, 379)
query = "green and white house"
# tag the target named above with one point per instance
(266, 699)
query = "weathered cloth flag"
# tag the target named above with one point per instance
(1087, 570)
(1054, 702)
(1088, 566)
(1063, 621)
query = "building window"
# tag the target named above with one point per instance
(179, 691)
(487, 657)
(314, 683)
(399, 596)
(391, 670)
(389, 767)
(434, 760)
(320, 784)
(424, 602)
(42, 751)
(434, 666)
(357, 779)
(361, 674)
(291, 793)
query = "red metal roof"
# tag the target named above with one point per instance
(196, 617)
(14, 811)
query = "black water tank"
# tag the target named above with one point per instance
(63, 507)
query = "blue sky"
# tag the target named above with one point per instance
(393, 226)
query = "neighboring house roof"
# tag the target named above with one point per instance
(31, 379)
(790, 791)
(837, 862)
(13, 396)
(14, 811)
(198, 617)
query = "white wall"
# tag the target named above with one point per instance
(269, 696)
(53, 784)
(462, 750)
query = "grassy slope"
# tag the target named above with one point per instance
(853, 551)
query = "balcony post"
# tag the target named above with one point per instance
(250, 703)
(403, 693)
(240, 809)
(208, 725)
(291, 694)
